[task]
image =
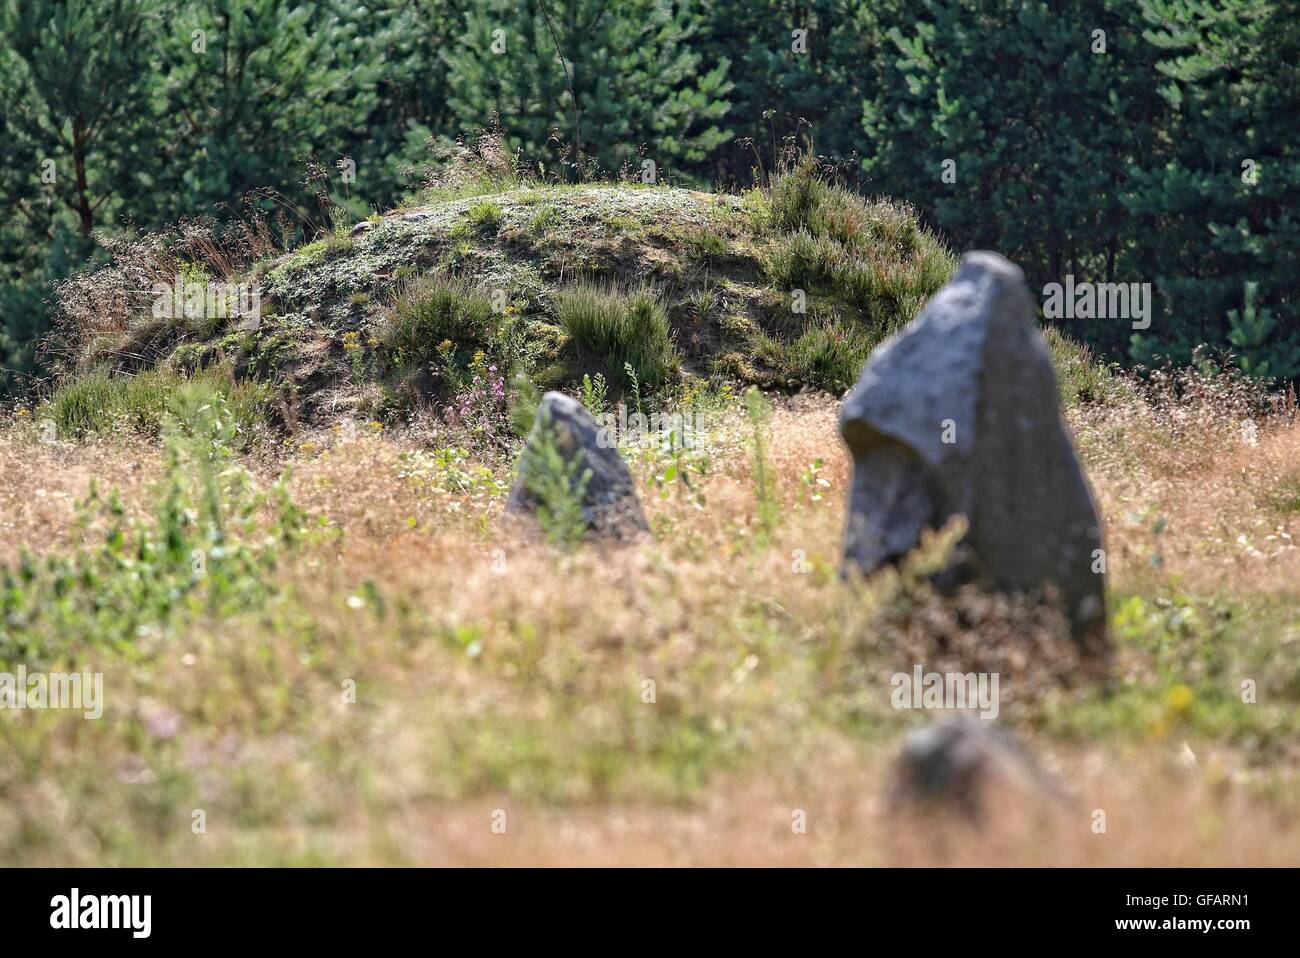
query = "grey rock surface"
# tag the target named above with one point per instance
(958, 413)
(610, 506)
(963, 765)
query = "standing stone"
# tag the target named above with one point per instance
(967, 766)
(609, 502)
(958, 413)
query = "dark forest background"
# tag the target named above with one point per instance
(1116, 140)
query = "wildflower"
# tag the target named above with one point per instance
(1179, 698)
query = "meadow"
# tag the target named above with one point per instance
(334, 647)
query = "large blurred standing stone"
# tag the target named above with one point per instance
(958, 413)
(609, 502)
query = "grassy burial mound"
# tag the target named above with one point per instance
(663, 289)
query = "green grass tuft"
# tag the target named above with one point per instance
(429, 311)
(871, 255)
(611, 330)
(100, 403)
(827, 355)
(1078, 376)
(705, 244)
(485, 214)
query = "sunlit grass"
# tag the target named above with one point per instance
(414, 659)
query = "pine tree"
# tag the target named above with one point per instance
(609, 78)
(1263, 349)
(1216, 205)
(799, 67)
(1012, 125)
(409, 38)
(252, 89)
(74, 84)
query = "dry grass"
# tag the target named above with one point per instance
(1206, 485)
(40, 484)
(495, 673)
(101, 310)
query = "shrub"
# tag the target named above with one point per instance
(1078, 377)
(756, 207)
(593, 394)
(705, 244)
(804, 261)
(797, 196)
(614, 331)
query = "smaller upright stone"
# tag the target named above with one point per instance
(968, 767)
(609, 502)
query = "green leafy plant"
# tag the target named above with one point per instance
(208, 550)
(594, 393)
(813, 481)
(524, 400)
(449, 468)
(359, 357)
(635, 381)
(679, 461)
(559, 484)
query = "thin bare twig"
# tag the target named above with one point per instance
(568, 79)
